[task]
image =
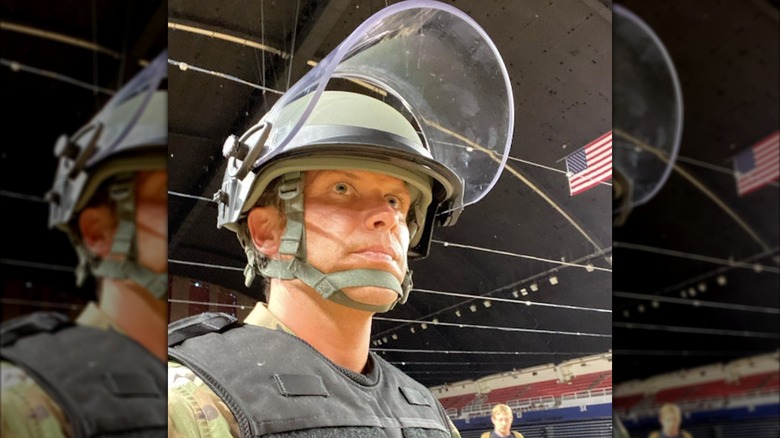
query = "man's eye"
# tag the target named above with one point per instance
(394, 202)
(341, 188)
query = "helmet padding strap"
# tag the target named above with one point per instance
(329, 286)
(122, 262)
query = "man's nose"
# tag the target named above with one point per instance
(381, 214)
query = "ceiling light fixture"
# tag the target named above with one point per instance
(553, 280)
(524, 291)
(534, 287)
(473, 307)
(486, 303)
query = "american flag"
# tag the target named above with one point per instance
(590, 165)
(757, 165)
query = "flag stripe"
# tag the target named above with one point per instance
(590, 165)
(758, 165)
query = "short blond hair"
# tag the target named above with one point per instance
(501, 408)
(670, 407)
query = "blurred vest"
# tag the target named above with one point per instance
(106, 384)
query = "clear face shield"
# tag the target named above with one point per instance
(647, 112)
(132, 119)
(438, 66)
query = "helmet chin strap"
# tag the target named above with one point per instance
(122, 263)
(329, 286)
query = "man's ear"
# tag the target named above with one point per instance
(266, 226)
(97, 226)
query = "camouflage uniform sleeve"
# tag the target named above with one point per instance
(194, 410)
(26, 410)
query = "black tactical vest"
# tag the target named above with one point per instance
(277, 385)
(106, 384)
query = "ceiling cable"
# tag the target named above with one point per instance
(184, 195)
(513, 301)
(696, 330)
(487, 353)
(16, 67)
(697, 257)
(697, 303)
(531, 163)
(33, 303)
(523, 256)
(47, 266)
(205, 265)
(183, 66)
(240, 40)
(9, 194)
(58, 37)
(490, 327)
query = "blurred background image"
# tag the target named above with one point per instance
(696, 265)
(59, 65)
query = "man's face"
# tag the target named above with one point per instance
(152, 219)
(669, 419)
(357, 220)
(502, 422)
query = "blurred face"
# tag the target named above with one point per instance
(357, 220)
(151, 199)
(670, 420)
(502, 422)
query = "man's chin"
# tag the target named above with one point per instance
(371, 295)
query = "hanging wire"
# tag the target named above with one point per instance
(183, 66)
(697, 303)
(488, 353)
(696, 330)
(697, 257)
(523, 256)
(16, 66)
(513, 301)
(292, 44)
(490, 327)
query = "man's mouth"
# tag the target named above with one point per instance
(379, 253)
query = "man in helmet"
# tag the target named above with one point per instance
(103, 373)
(332, 236)
(329, 194)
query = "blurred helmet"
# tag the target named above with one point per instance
(647, 114)
(418, 92)
(129, 134)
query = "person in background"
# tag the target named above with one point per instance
(670, 417)
(502, 418)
